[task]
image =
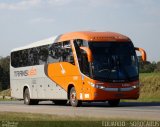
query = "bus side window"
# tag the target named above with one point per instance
(14, 59)
(43, 54)
(33, 57)
(24, 56)
(55, 52)
(67, 53)
(82, 56)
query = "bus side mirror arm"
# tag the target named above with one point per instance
(143, 53)
(89, 53)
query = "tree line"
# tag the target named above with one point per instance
(149, 67)
(144, 67)
(4, 72)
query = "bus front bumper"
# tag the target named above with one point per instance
(113, 94)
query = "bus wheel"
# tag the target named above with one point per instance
(114, 103)
(60, 102)
(27, 99)
(73, 99)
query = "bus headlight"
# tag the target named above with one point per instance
(136, 85)
(96, 86)
(101, 87)
(92, 84)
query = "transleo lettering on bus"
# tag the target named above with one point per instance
(23, 73)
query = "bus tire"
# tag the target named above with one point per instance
(27, 99)
(114, 103)
(60, 102)
(73, 99)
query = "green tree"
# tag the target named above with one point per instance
(157, 68)
(1, 74)
(4, 72)
(147, 67)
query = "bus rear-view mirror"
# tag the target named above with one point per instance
(89, 53)
(143, 56)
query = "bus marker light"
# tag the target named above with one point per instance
(86, 95)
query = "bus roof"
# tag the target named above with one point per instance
(36, 44)
(86, 35)
(94, 36)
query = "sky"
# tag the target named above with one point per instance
(25, 21)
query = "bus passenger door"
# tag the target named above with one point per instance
(85, 70)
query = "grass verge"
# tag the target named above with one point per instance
(150, 89)
(5, 92)
(8, 119)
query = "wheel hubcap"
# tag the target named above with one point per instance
(26, 98)
(73, 97)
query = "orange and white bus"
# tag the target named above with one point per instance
(77, 66)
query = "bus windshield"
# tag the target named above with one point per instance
(114, 61)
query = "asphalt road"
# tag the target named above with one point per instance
(129, 110)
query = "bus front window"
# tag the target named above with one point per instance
(114, 61)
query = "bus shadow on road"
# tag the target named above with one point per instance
(105, 104)
(139, 104)
(122, 104)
